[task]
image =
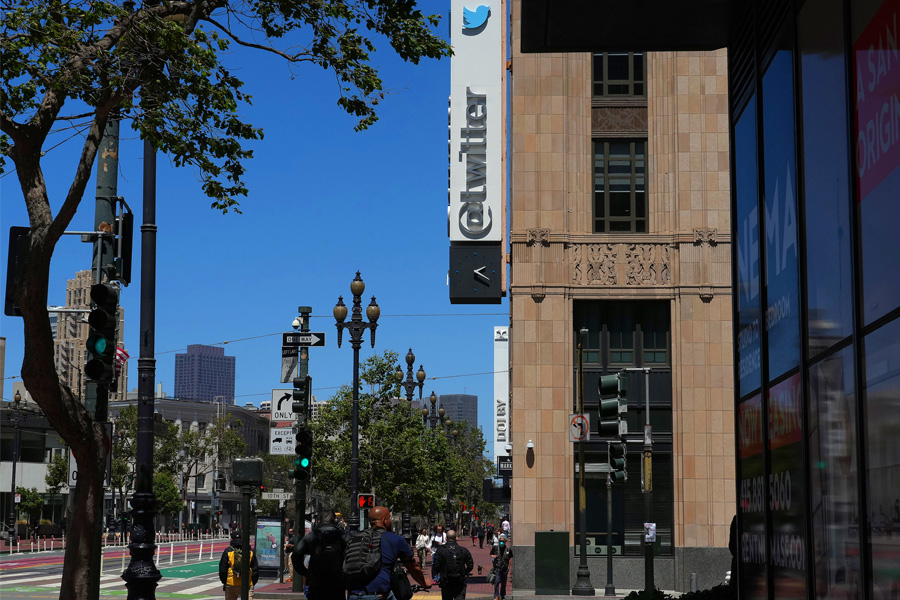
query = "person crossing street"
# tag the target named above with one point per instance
(230, 567)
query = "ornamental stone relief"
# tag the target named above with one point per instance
(539, 235)
(610, 264)
(705, 235)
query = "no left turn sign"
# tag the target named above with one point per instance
(579, 428)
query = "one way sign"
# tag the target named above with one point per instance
(303, 338)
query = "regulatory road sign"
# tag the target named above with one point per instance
(282, 405)
(579, 428)
(303, 338)
(278, 496)
(281, 440)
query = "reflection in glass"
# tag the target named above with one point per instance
(752, 545)
(747, 242)
(835, 470)
(826, 174)
(782, 319)
(882, 409)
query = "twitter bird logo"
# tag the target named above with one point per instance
(473, 19)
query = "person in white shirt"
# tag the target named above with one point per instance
(422, 542)
(505, 526)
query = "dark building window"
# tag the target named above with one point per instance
(619, 74)
(620, 186)
(625, 334)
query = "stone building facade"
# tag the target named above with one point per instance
(620, 224)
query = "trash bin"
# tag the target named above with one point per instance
(551, 563)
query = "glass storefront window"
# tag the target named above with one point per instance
(747, 243)
(782, 318)
(826, 167)
(876, 72)
(882, 410)
(787, 489)
(751, 470)
(834, 488)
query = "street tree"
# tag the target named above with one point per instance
(168, 498)
(31, 503)
(158, 66)
(57, 478)
(275, 475)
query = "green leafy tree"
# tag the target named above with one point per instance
(168, 498)
(32, 503)
(158, 67)
(276, 474)
(57, 478)
(221, 440)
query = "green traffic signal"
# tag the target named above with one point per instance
(101, 343)
(303, 462)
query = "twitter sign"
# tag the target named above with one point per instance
(473, 19)
(477, 123)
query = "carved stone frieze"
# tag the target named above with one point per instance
(705, 235)
(647, 264)
(619, 119)
(538, 235)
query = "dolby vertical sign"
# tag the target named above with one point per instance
(476, 122)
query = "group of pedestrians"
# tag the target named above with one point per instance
(338, 566)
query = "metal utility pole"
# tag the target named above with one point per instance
(300, 486)
(583, 586)
(647, 487)
(246, 524)
(610, 588)
(141, 575)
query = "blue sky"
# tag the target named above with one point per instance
(324, 202)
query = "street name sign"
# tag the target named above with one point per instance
(278, 496)
(282, 405)
(303, 338)
(281, 440)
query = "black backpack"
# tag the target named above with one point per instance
(326, 563)
(362, 559)
(454, 567)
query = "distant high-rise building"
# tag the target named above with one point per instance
(70, 334)
(460, 407)
(204, 373)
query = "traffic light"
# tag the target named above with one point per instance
(262, 488)
(616, 455)
(122, 245)
(301, 396)
(613, 409)
(101, 344)
(220, 484)
(366, 500)
(303, 461)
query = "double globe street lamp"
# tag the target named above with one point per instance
(409, 384)
(356, 327)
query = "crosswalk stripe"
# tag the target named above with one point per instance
(211, 585)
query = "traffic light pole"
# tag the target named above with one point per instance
(610, 588)
(648, 487)
(583, 586)
(300, 486)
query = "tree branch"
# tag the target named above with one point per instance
(288, 57)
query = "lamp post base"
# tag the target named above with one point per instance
(583, 585)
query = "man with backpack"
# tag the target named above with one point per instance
(325, 546)
(371, 557)
(453, 563)
(501, 555)
(230, 567)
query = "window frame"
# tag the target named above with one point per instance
(602, 217)
(604, 83)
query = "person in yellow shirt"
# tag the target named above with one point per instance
(230, 567)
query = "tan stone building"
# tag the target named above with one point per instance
(71, 334)
(620, 224)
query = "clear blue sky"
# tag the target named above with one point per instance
(324, 202)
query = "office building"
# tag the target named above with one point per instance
(815, 175)
(459, 407)
(620, 228)
(204, 373)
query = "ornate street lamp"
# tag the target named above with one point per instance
(410, 384)
(356, 328)
(431, 419)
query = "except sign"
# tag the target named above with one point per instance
(281, 405)
(579, 428)
(305, 338)
(281, 441)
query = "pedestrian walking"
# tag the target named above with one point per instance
(501, 555)
(324, 546)
(288, 550)
(422, 541)
(230, 567)
(481, 533)
(473, 531)
(438, 538)
(393, 549)
(453, 564)
(505, 527)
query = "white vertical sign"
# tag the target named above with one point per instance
(501, 391)
(476, 121)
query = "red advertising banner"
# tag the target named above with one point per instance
(751, 424)
(877, 77)
(785, 413)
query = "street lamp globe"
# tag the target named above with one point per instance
(17, 398)
(340, 310)
(433, 398)
(420, 375)
(357, 286)
(398, 373)
(373, 311)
